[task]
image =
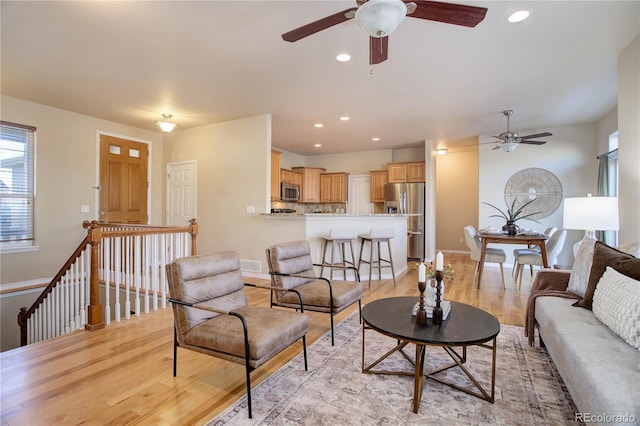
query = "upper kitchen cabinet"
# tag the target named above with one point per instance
(406, 172)
(288, 176)
(310, 188)
(334, 187)
(378, 180)
(275, 175)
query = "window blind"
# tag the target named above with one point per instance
(17, 182)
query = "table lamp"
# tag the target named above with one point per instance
(590, 214)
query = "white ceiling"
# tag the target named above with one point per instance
(212, 61)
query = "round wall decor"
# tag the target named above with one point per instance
(534, 184)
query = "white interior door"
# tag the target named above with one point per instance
(181, 192)
(360, 194)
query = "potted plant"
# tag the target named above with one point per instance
(512, 215)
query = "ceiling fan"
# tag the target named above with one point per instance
(510, 140)
(379, 18)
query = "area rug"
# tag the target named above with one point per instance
(334, 391)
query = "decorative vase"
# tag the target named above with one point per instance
(510, 228)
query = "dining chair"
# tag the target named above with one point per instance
(514, 273)
(291, 268)
(212, 315)
(492, 255)
(554, 246)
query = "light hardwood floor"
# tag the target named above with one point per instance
(123, 374)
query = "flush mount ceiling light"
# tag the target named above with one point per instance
(379, 18)
(441, 151)
(518, 16)
(343, 57)
(166, 125)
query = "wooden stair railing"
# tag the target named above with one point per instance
(112, 258)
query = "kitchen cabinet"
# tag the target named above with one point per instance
(288, 176)
(275, 175)
(406, 172)
(334, 187)
(310, 188)
(379, 179)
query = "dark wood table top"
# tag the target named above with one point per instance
(465, 325)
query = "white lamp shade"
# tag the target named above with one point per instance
(379, 18)
(591, 213)
(508, 147)
(166, 125)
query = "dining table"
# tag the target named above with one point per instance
(531, 240)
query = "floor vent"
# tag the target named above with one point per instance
(250, 265)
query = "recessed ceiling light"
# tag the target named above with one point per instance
(375, 139)
(318, 125)
(317, 145)
(518, 16)
(343, 57)
(344, 118)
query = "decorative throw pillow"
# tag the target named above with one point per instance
(631, 248)
(579, 277)
(603, 256)
(616, 303)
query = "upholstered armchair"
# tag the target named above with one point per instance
(212, 315)
(291, 268)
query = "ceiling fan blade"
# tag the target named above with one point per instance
(449, 13)
(378, 50)
(537, 135)
(497, 137)
(319, 25)
(533, 142)
(495, 147)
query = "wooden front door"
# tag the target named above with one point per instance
(123, 180)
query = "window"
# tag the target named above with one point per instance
(17, 188)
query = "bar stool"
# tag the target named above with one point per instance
(339, 237)
(376, 261)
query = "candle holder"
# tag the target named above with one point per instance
(421, 315)
(437, 311)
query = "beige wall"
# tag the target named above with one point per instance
(352, 162)
(233, 163)
(629, 142)
(456, 196)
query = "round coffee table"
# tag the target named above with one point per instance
(465, 326)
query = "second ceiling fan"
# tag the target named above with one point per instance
(510, 140)
(379, 18)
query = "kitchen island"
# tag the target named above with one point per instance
(312, 226)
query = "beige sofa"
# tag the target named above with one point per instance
(600, 368)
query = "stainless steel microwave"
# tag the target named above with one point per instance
(289, 192)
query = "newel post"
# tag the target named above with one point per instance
(94, 312)
(193, 224)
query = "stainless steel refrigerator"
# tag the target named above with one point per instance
(408, 198)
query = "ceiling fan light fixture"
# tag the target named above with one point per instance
(518, 16)
(379, 18)
(509, 146)
(166, 125)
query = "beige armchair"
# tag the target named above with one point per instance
(212, 316)
(291, 268)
